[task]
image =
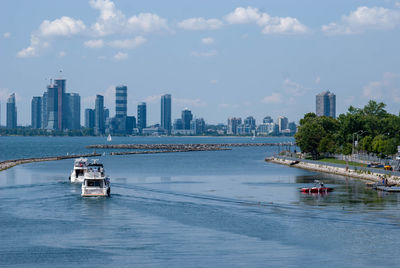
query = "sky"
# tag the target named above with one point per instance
(218, 58)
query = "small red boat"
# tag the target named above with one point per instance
(319, 188)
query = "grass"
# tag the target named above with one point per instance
(343, 162)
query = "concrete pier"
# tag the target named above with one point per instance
(11, 163)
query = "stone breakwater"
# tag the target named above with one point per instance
(171, 151)
(199, 146)
(343, 171)
(11, 163)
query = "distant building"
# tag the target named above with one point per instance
(166, 113)
(141, 116)
(198, 126)
(153, 130)
(326, 104)
(250, 122)
(73, 115)
(187, 116)
(11, 112)
(121, 101)
(44, 112)
(268, 119)
(99, 115)
(292, 127)
(178, 124)
(89, 118)
(233, 123)
(267, 129)
(36, 112)
(282, 123)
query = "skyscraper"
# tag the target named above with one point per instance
(36, 112)
(141, 116)
(44, 110)
(121, 101)
(233, 123)
(73, 114)
(99, 115)
(89, 118)
(326, 104)
(61, 104)
(11, 112)
(186, 118)
(250, 122)
(166, 113)
(282, 123)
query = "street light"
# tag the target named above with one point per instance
(356, 133)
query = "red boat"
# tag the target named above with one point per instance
(319, 188)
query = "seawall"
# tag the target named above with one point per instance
(342, 171)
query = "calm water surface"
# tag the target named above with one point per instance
(195, 209)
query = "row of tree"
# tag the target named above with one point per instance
(370, 129)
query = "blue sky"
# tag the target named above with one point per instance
(218, 58)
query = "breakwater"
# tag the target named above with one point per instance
(11, 163)
(342, 171)
(197, 147)
(171, 151)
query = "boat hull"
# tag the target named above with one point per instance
(316, 190)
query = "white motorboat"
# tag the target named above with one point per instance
(80, 167)
(95, 182)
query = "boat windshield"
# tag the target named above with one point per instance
(94, 183)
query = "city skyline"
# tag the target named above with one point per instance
(219, 59)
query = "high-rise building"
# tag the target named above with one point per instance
(36, 112)
(121, 101)
(166, 113)
(44, 110)
(141, 116)
(186, 118)
(89, 118)
(233, 124)
(250, 122)
(11, 112)
(268, 119)
(99, 115)
(73, 108)
(198, 126)
(62, 108)
(178, 124)
(282, 123)
(326, 104)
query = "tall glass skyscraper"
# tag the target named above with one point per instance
(186, 118)
(166, 112)
(121, 101)
(73, 114)
(36, 112)
(141, 116)
(89, 118)
(11, 112)
(99, 115)
(326, 104)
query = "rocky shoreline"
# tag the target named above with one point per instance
(200, 146)
(11, 163)
(343, 171)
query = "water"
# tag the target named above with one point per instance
(194, 209)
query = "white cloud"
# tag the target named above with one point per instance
(62, 54)
(112, 20)
(270, 25)
(214, 81)
(128, 43)
(99, 43)
(364, 18)
(207, 40)
(32, 49)
(120, 56)
(65, 26)
(153, 98)
(293, 88)
(6, 35)
(190, 102)
(274, 98)
(200, 24)
(388, 89)
(204, 54)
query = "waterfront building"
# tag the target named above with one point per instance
(250, 122)
(268, 119)
(121, 101)
(11, 112)
(282, 123)
(198, 126)
(233, 123)
(267, 129)
(141, 116)
(166, 113)
(89, 118)
(292, 127)
(44, 111)
(178, 124)
(99, 115)
(36, 112)
(187, 116)
(326, 104)
(73, 116)
(153, 130)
